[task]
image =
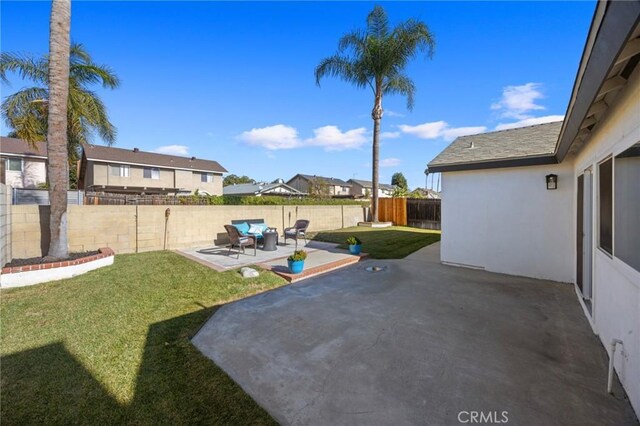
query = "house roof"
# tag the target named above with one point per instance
(369, 184)
(610, 56)
(329, 180)
(256, 188)
(22, 148)
(143, 158)
(520, 143)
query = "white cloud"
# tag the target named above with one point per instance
(439, 129)
(454, 132)
(392, 113)
(279, 136)
(389, 135)
(331, 138)
(390, 162)
(530, 122)
(173, 150)
(431, 130)
(518, 101)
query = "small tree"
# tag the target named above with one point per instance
(235, 179)
(399, 180)
(400, 192)
(319, 188)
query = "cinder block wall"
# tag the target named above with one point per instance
(5, 224)
(129, 229)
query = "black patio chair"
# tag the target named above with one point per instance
(299, 229)
(240, 241)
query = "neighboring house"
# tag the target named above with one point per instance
(427, 193)
(364, 188)
(22, 165)
(334, 187)
(501, 213)
(117, 170)
(259, 189)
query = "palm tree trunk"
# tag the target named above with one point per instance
(58, 167)
(376, 115)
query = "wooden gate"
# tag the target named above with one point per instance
(393, 210)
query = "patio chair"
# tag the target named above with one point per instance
(299, 229)
(240, 241)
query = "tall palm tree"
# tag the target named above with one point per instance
(376, 58)
(58, 167)
(26, 111)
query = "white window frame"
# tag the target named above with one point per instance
(9, 160)
(154, 173)
(206, 177)
(123, 170)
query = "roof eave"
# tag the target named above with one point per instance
(493, 164)
(617, 25)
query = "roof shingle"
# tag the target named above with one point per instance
(531, 141)
(129, 156)
(22, 147)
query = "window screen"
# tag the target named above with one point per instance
(14, 164)
(605, 205)
(627, 202)
(151, 173)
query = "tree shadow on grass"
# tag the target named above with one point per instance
(176, 384)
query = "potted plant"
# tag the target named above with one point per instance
(355, 245)
(296, 261)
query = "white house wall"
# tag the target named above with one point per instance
(505, 220)
(34, 172)
(616, 286)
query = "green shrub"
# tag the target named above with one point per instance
(297, 256)
(234, 200)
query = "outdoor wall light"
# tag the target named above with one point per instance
(552, 181)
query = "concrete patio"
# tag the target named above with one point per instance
(321, 258)
(416, 343)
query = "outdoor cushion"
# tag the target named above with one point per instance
(243, 228)
(256, 229)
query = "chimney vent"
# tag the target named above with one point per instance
(136, 150)
(193, 158)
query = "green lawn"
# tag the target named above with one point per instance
(112, 346)
(395, 242)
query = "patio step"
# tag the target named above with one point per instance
(315, 270)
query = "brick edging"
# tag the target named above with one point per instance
(104, 252)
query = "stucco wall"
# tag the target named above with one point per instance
(616, 286)
(5, 224)
(129, 228)
(505, 220)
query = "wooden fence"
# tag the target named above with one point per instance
(415, 212)
(393, 210)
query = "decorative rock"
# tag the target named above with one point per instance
(249, 272)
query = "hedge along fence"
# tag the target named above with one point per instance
(137, 228)
(213, 200)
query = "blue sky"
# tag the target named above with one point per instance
(234, 81)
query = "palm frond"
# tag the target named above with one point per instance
(26, 111)
(400, 84)
(378, 23)
(413, 37)
(355, 40)
(343, 68)
(26, 66)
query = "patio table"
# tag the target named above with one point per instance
(270, 241)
